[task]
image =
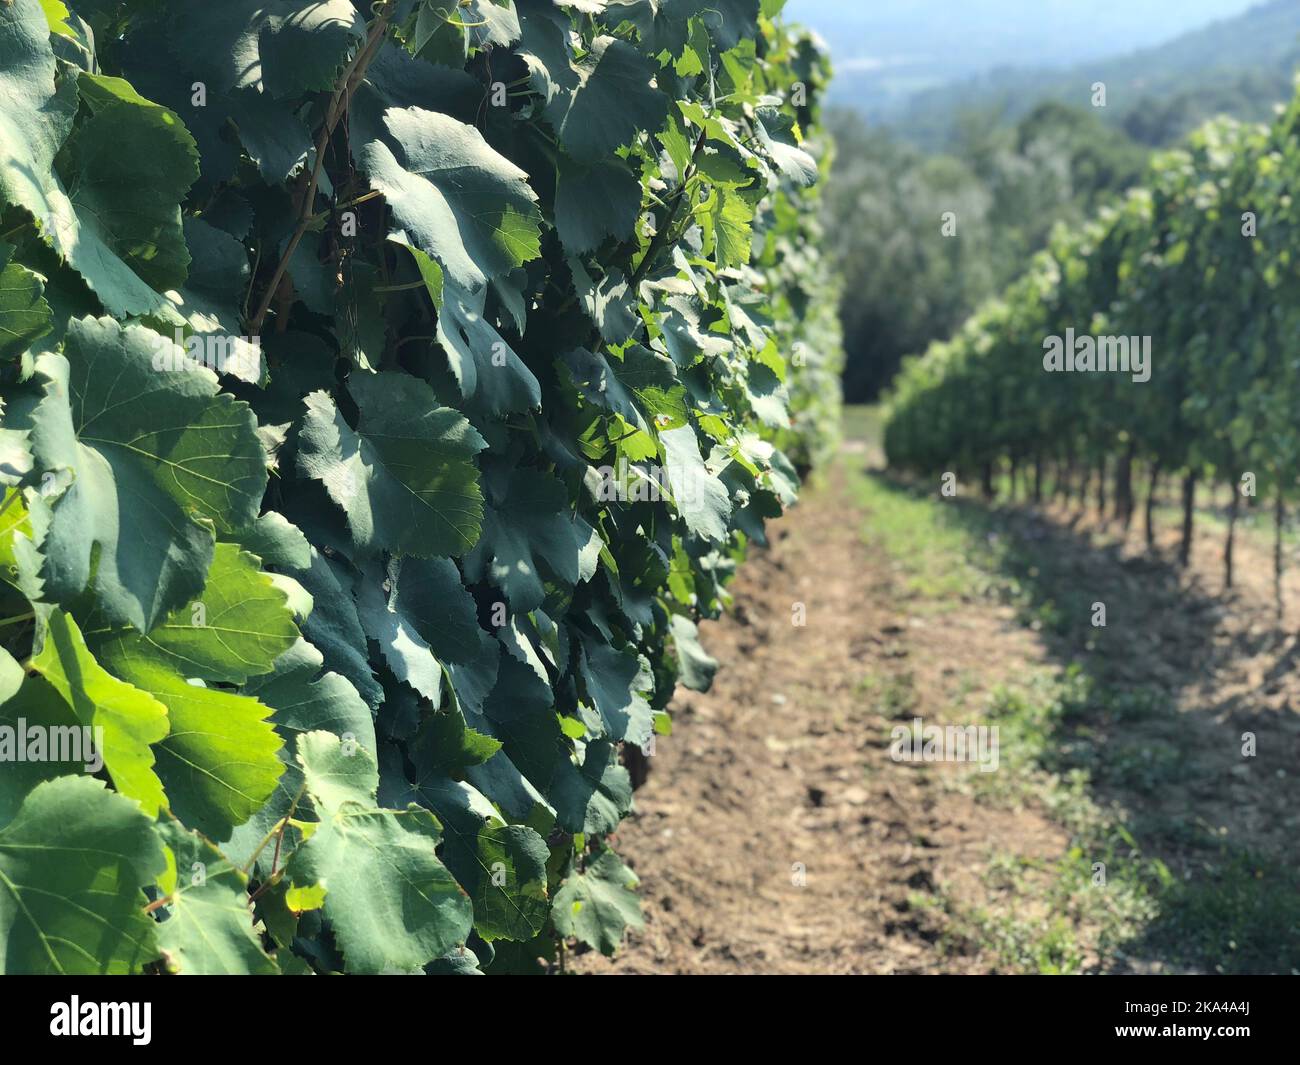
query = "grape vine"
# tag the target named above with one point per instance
(388, 392)
(1191, 275)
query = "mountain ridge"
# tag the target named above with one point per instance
(1240, 64)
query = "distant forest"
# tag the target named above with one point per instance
(1009, 156)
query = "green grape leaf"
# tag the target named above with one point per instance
(594, 202)
(641, 386)
(430, 272)
(456, 199)
(446, 744)
(336, 772)
(56, 13)
(686, 337)
(306, 699)
(429, 594)
(271, 131)
(590, 797)
(792, 161)
(73, 865)
(392, 904)
(597, 103)
(131, 718)
(598, 796)
(608, 303)
(235, 630)
(406, 653)
(219, 761)
(405, 477)
(702, 500)
(615, 682)
(665, 26)
(280, 47)
(209, 927)
(134, 161)
(24, 315)
(15, 458)
(440, 36)
(11, 677)
(492, 22)
(695, 666)
(486, 367)
(23, 526)
(530, 531)
(33, 712)
(502, 867)
(160, 459)
(389, 899)
(598, 904)
(727, 221)
(459, 961)
(472, 680)
(127, 167)
(426, 623)
(335, 627)
(277, 542)
(210, 301)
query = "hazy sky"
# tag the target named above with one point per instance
(976, 34)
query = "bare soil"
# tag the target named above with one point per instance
(776, 835)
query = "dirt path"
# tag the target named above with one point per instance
(775, 833)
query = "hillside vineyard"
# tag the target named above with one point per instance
(1195, 269)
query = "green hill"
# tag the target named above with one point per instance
(1240, 66)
